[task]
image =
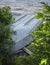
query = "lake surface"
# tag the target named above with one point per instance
(23, 3)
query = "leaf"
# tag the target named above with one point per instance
(43, 62)
(40, 16)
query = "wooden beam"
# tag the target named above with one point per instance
(27, 51)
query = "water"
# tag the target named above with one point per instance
(23, 3)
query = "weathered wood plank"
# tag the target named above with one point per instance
(27, 51)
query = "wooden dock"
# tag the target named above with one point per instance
(25, 24)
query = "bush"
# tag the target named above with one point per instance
(6, 42)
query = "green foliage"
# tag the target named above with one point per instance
(6, 42)
(45, 13)
(40, 16)
(46, 8)
(6, 16)
(42, 42)
(27, 60)
(42, 39)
